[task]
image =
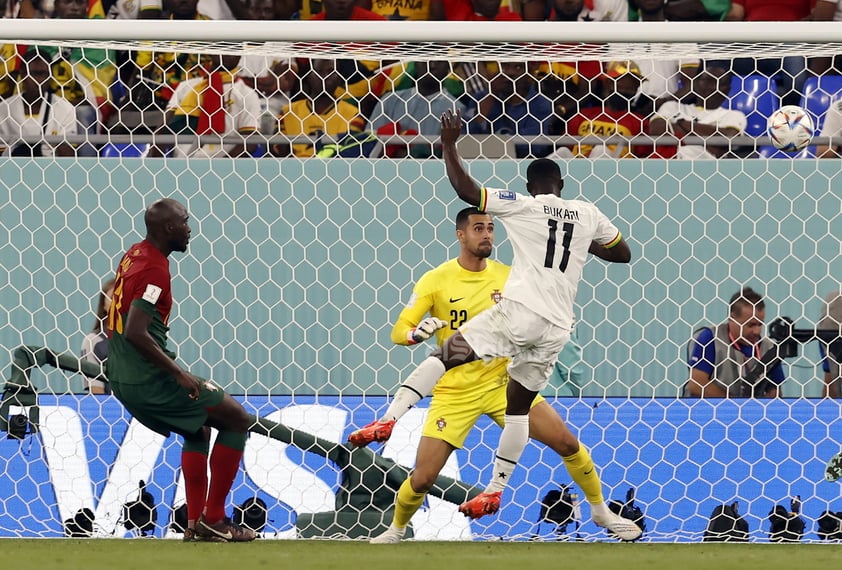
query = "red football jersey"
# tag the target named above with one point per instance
(143, 273)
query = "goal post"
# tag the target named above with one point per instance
(299, 266)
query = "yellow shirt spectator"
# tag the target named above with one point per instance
(299, 118)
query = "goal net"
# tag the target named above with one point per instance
(306, 154)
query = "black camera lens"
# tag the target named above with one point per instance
(18, 426)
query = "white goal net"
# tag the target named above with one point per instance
(307, 156)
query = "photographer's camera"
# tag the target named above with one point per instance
(18, 426)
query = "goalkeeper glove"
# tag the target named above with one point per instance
(425, 329)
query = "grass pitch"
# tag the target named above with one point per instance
(154, 554)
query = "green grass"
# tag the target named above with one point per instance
(48, 554)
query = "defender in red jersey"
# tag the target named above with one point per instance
(159, 393)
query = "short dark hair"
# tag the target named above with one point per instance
(746, 297)
(542, 168)
(465, 213)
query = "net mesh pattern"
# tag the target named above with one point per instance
(307, 243)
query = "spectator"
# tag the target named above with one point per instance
(216, 9)
(476, 76)
(791, 71)
(35, 111)
(479, 11)
(686, 10)
(720, 357)
(309, 8)
(832, 358)
(159, 73)
(421, 10)
(418, 109)
(83, 76)
(273, 78)
(9, 53)
(705, 116)
(363, 80)
(267, 9)
(23, 9)
(135, 10)
(95, 343)
(274, 81)
(572, 10)
(344, 10)
(832, 127)
(516, 107)
(826, 11)
(216, 104)
(120, 122)
(613, 116)
(570, 85)
(319, 112)
(9, 63)
(665, 79)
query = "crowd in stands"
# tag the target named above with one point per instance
(295, 102)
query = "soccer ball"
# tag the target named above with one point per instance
(790, 128)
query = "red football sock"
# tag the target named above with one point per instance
(224, 464)
(194, 466)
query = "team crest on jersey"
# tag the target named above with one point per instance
(506, 195)
(497, 296)
(441, 423)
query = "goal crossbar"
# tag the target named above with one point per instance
(428, 40)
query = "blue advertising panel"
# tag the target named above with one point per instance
(682, 458)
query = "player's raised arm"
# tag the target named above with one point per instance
(466, 187)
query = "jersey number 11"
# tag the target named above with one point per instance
(567, 236)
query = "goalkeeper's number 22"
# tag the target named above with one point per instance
(566, 237)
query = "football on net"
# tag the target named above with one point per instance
(790, 128)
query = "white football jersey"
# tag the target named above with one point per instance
(605, 11)
(242, 113)
(130, 9)
(832, 120)
(15, 123)
(550, 238)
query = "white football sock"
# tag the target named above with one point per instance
(512, 443)
(418, 385)
(600, 510)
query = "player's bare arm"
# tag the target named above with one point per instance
(618, 253)
(137, 333)
(466, 187)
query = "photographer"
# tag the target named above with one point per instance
(721, 357)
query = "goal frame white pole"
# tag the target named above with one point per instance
(21, 30)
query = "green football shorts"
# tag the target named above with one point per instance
(163, 406)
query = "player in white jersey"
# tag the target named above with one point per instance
(551, 238)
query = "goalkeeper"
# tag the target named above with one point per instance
(452, 293)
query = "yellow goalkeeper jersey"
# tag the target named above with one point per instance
(454, 295)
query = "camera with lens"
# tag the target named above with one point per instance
(781, 330)
(788, 337)
(18, 426)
